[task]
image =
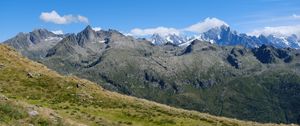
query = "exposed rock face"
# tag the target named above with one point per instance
(269, 54)
(233, 61)
(265, 54)
(3, 97)
(1, 65)
(238, 51)
(34, 44)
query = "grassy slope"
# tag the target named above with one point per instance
(27, 87)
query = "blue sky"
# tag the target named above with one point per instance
(125, 15)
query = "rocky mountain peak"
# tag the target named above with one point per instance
(42, 33)
(158, 39)
(88, 28)
(86, 35)
(269, 54)
(114, 31)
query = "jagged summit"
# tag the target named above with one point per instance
(269, 54)
(225, 36)
(158, 39)
(88, 27)
(41, 31)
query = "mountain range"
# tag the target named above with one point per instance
(224, 36)
(219, 72)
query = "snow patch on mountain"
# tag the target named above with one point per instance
(223, 35)
(53, 38)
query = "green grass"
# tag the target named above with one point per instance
(9, 112)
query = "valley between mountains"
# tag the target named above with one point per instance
(250, 81)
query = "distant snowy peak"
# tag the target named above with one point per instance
(223, 35)
(283, 41)
(212, 35)
(216, 34)
(175, 39)
(158, 39)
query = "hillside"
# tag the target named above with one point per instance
(33, 94)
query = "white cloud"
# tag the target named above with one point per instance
(205, 25)
(296, 16)
(159, 30)
(96, 28)
(279, 31)
(58, 32)
(200, 27)
(54, 17)
(82, 19)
